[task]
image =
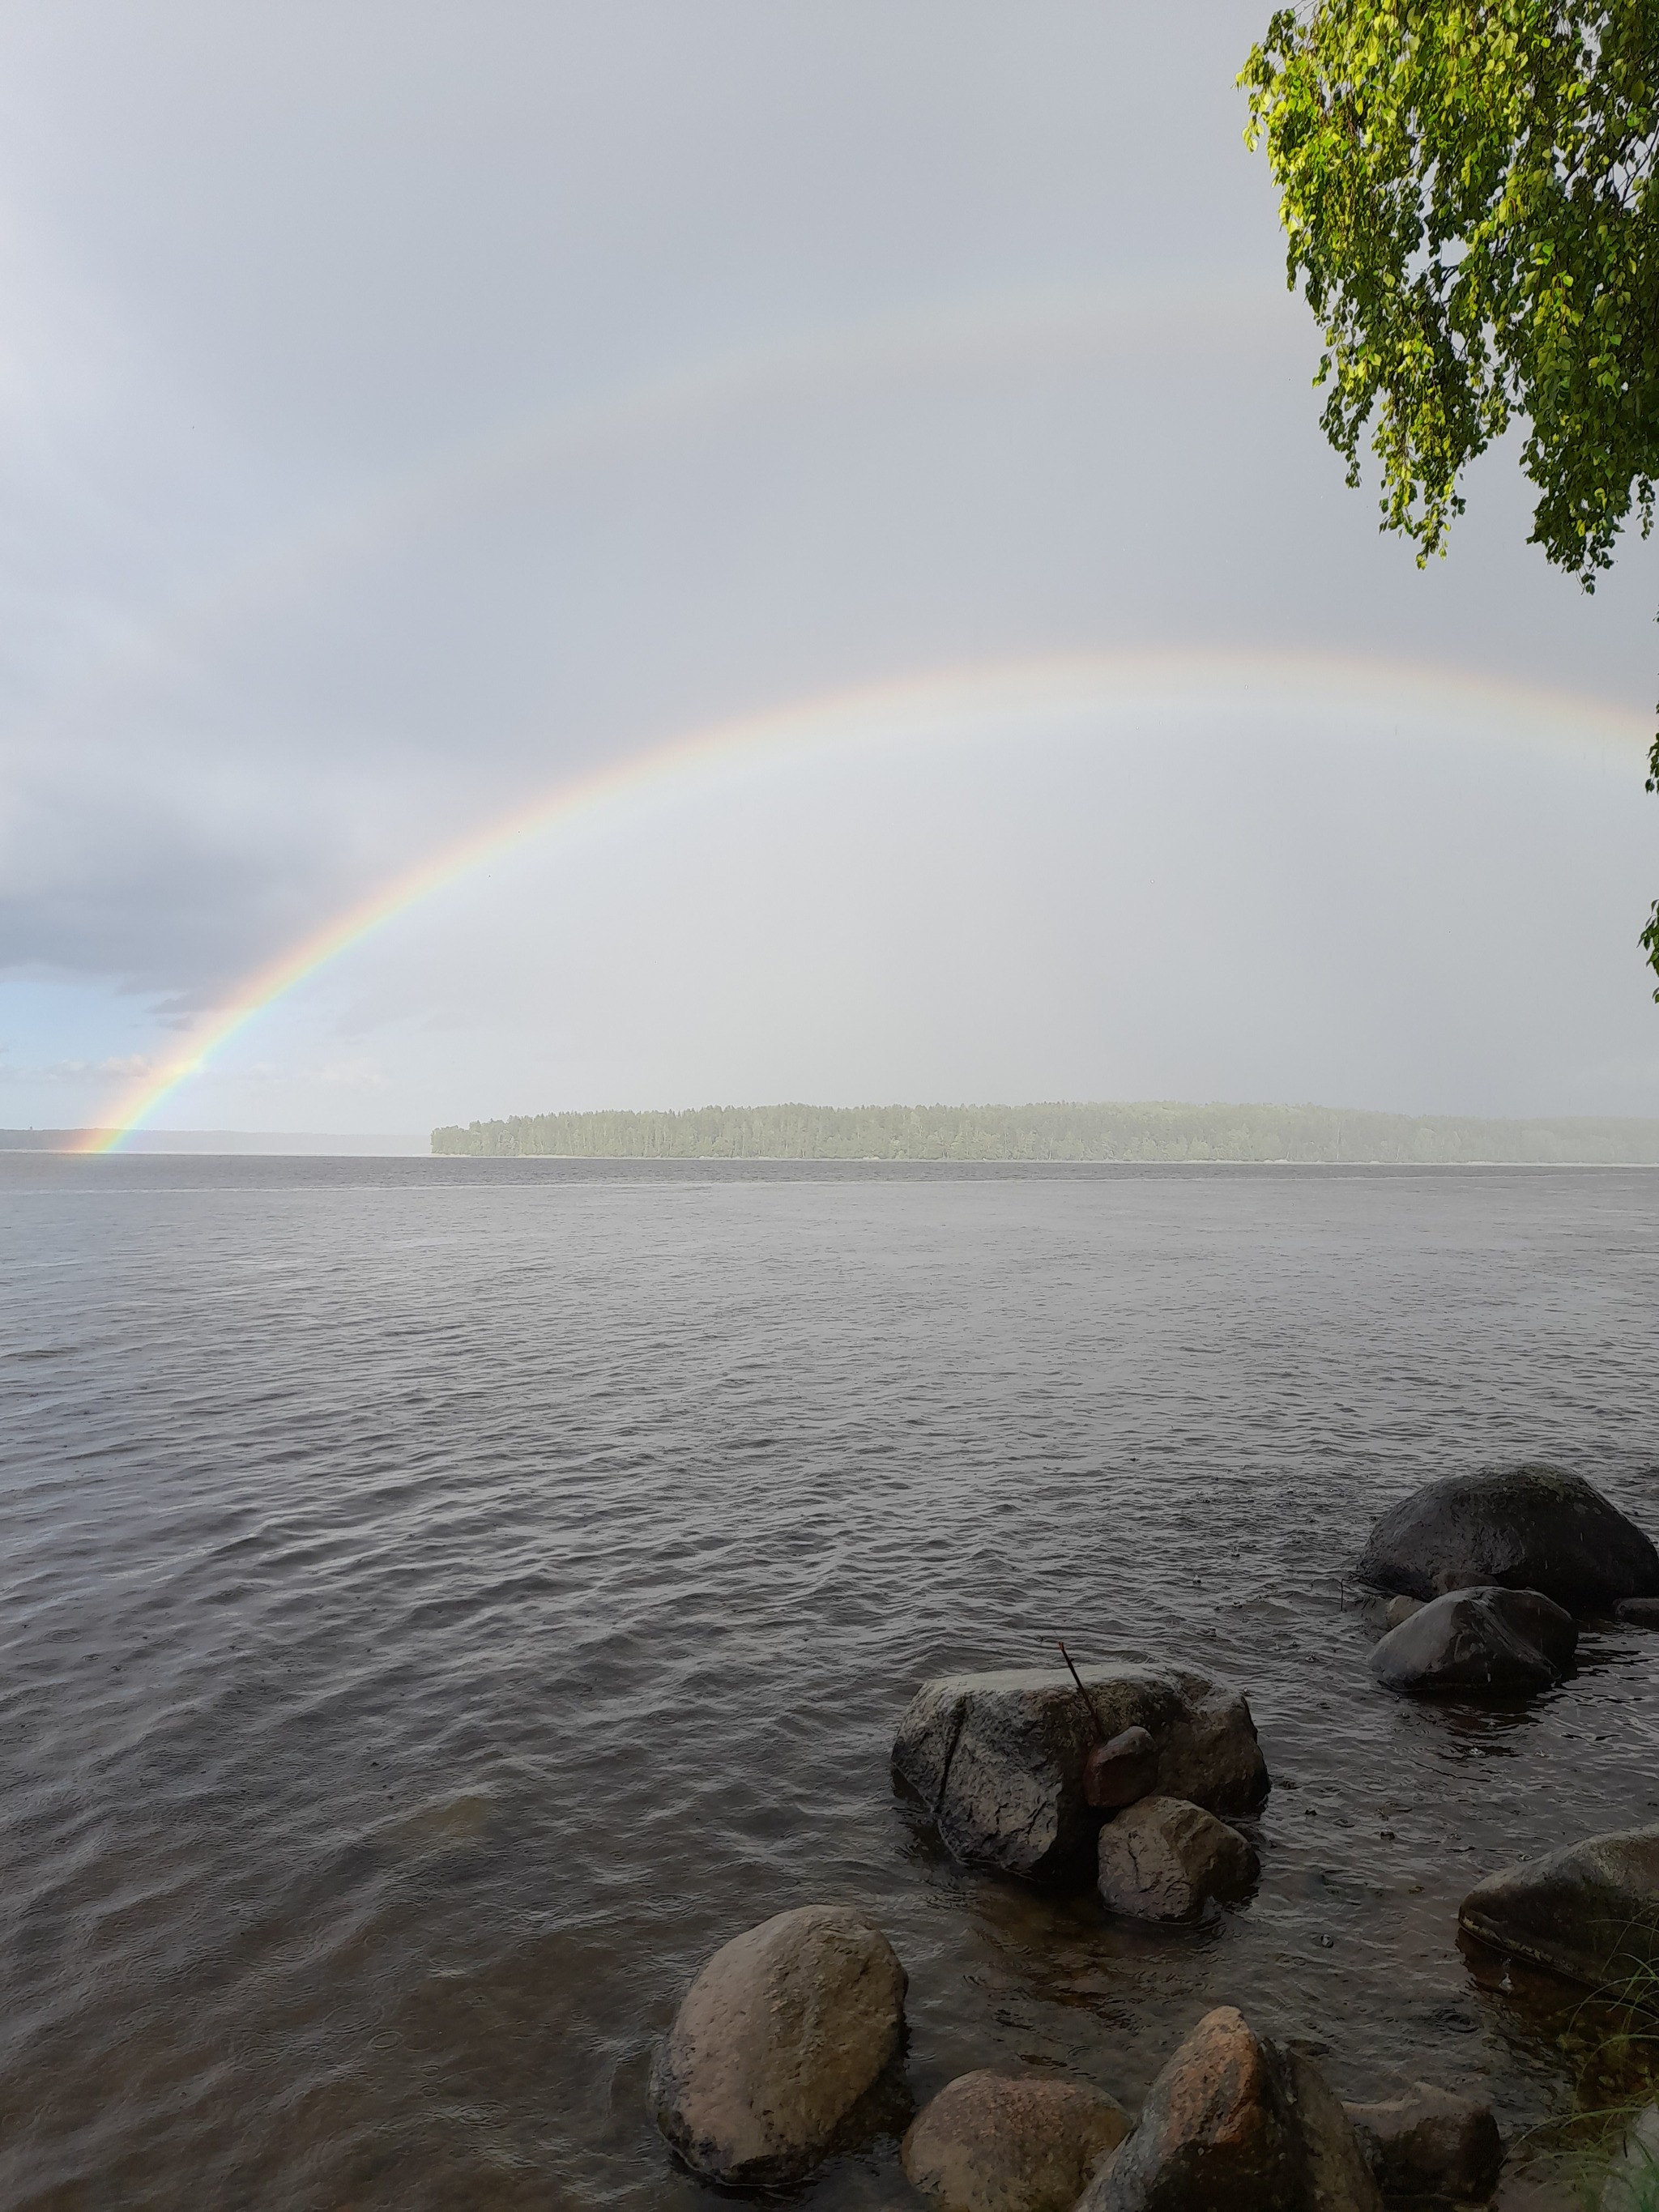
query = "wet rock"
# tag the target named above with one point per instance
(1638, 1612)
(996, 2143)
(781, 2036)
(1431, 2143)
(1632, 2182)
(1233, 2121)
(1402, 1608)
(1165, 1859)
(998, 1758)
(1116, 1773)
(1335, 2177)
(1527, 1527)
(1490, 1642)
(1590, 1911)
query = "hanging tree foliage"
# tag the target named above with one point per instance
(1468, 190)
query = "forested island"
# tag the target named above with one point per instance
(1310, 1135)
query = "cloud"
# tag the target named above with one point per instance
(301, 578)
(120, 1067)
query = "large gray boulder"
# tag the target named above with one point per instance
(780, 2039)
(1234, 2121)
(1590, 1911)
(1431, 2143)
(1477, 1642)
(1528, 1528)
(1167, 1859)
(998, 1758)
(1001, 2142)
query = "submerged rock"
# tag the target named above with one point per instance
(998, 1758)
(1494, 1642)
(1165, 1859)
(1527, 1527)
(1431, 2143)
(1590, 1911)
(997, 2142)
(1234, 2121)
(780, 2037)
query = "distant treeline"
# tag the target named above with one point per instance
(1314, 1135)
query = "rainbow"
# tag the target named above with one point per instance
(937, 707)
(952, 333)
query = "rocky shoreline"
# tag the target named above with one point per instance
(788, 2049)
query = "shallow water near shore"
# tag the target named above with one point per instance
(444, 1600)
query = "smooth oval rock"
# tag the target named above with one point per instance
(997, 2142)
(998, 1758)
(1431, 2143)
(1638, 1612)
(1472, 1643)
(784, 2031)
(1527, 1527)
(1165, 1859)
(1590, 1911)
(1234, 2122)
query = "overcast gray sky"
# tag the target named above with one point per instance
(405, 411)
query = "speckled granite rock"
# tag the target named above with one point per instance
(1234, 2122)
(997, 2142)
(780, 2037)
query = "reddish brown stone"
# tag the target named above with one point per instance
(1120, 1772)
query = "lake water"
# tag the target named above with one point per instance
(444, 1600)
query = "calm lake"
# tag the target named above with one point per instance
(444, 1600)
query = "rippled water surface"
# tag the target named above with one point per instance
(444, 1600)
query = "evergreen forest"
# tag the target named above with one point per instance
(1315, 1135)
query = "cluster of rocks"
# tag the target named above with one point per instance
(1486, 1573)
(786, 2049)
(789, 2046)
(1130, 1780)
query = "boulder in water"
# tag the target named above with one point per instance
(781, 2037)
(998, 1758)
(1527, 1527)
(1234, 2121)
(1431, 2143)
(1165, 1859)
(1590, 1911)
(1638, 1612)
(999, 2143)
(1473, 1643)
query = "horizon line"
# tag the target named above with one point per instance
(930, 706)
